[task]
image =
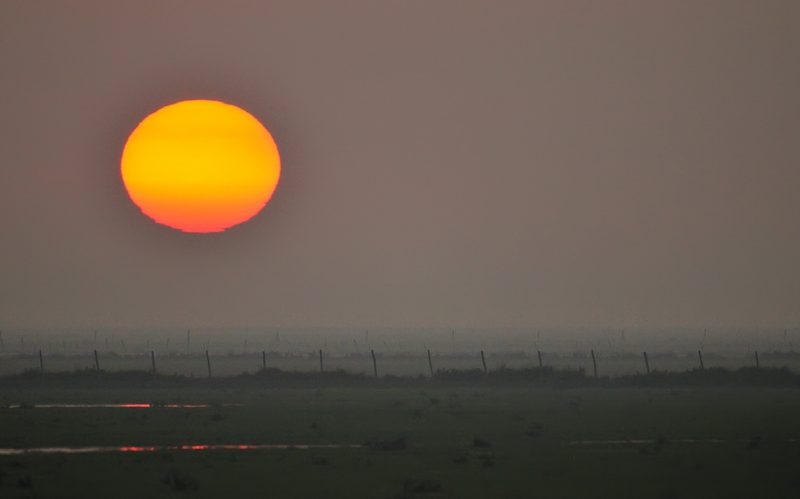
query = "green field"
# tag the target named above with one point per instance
(419, 439)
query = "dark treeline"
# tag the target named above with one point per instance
(276, 378)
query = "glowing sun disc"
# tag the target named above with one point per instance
(200, 166)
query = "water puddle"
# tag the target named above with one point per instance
(170, 448)
(117, 406)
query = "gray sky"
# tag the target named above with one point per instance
(445, 163)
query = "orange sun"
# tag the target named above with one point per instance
(200, 166)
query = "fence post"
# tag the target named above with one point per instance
(208, 363)
(483, 361)
(757, 364)
(646, 362)
(96, 362)
(41, 361)
(430, 362)
(153, 360)
(264, 360)
(594, 363)
(374, 363)
(321, 368)
(700, 356)
(539, 353)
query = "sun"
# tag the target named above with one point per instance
(200, 166)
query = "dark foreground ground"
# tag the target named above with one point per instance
(420, 439)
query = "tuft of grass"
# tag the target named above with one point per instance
(424, 486)
(387, 445)
(178, 481)
(480, 443)
(535, 430)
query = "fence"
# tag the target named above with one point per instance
(423, 363)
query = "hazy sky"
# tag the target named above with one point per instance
(445, 163)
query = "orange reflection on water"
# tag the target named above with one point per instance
(194, 447)
(134, 405)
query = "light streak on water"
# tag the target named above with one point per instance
(117, 406)
(634, 441)
(169, 448)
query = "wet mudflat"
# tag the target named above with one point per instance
(423, 441)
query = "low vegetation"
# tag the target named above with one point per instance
(271, 377)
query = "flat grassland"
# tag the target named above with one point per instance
(418, 439)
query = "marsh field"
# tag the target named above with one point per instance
(712, 433)
(259, 415)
